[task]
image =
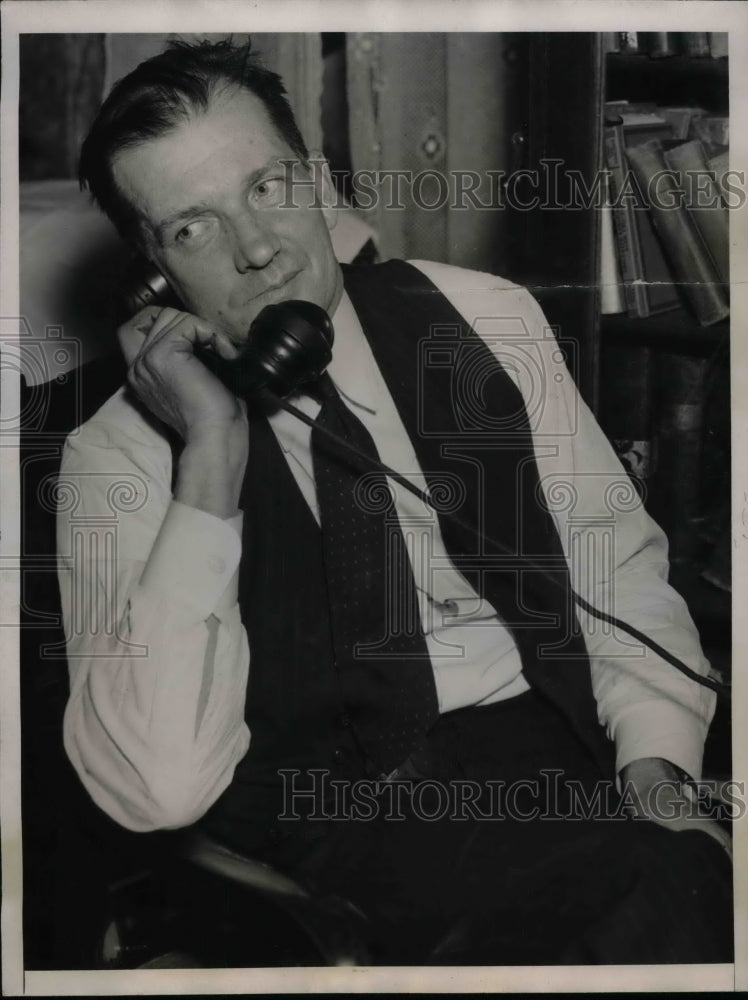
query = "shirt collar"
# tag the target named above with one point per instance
(352, 366)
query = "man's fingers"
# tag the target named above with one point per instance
(174, 330)
(143, 321)
(224, 346)
(132, 334)
(170, 319)
(156, 330)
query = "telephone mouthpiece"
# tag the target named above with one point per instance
(289, 343)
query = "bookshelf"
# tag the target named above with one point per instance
(678, 376)
(667, 374)
(683, 386)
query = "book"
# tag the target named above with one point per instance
(696, 44)
(624, 223)
(719, 165)
(611, 292)
(645, 273)
(680, 119)
(718, 44)
(642, 121)
(611, 41)
(659, 44)
(713, 131)
(703, 202)
(625, 107)
(681, 240)
(628, 41)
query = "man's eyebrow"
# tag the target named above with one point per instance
(186, 213)
(170, 220)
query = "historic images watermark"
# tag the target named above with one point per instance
(550, 187)
(551, 796)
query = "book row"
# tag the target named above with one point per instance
(665, 225)
(661, 44)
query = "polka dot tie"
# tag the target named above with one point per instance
(381, 657)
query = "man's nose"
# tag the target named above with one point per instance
(255, 244)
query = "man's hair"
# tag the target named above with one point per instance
(163, 92)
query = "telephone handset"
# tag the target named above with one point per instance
(290, 343)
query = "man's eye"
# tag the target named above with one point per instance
(269, 190)
(195, 233)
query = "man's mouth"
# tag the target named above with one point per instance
(269, 294)
(275, 286)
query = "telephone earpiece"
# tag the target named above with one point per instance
(289, 343)
(144, 285)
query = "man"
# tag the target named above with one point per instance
(254, 652)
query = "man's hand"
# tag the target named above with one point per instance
(654, 786)
(158, 345)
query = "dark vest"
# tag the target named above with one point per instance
(468, 425)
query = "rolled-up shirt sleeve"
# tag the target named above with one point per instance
(158, 657)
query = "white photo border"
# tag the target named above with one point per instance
(49, 16)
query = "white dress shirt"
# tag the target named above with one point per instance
(158, 656)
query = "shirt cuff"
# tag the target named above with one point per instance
(194, 560)
(661, 730)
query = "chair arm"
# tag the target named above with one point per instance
(211, 856)
(208, 906)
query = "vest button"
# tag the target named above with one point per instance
(338, 755)
(344, 721)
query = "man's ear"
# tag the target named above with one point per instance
(325, 188)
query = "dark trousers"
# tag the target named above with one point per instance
(536, 870)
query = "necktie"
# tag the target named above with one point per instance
(381, 656)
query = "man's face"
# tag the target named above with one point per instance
(210, 193)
